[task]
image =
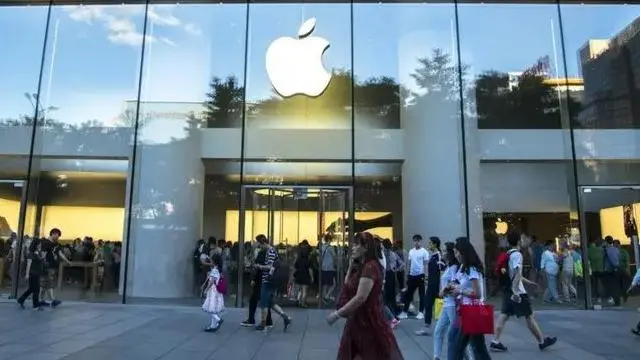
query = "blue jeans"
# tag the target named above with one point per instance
(454, 336)
(447, 316)
(552, 288)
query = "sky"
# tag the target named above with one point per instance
(92, 60)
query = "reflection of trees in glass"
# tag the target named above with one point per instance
(530, 102)
(223, 107)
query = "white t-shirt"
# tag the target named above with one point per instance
(515, 262)
(448, 276)
(417, 258)
(465, 281)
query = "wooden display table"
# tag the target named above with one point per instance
(82, 264)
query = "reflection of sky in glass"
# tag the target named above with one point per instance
(94, 52)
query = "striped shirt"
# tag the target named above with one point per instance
(269, 260)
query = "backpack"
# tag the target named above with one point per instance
(221, 286)
(501, 269)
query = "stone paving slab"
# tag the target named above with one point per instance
(100, 331)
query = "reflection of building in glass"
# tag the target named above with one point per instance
(611, 72)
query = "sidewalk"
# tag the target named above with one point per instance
(116, 332)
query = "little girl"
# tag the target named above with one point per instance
(214, 290)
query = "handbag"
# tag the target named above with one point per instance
(476, 319)
(437, 308)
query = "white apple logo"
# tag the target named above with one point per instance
(294, 66)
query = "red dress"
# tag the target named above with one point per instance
(367, 332)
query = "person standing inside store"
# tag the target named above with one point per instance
(328, 268)
(270, 271)
(418, 261)
(625, 269)
(595, 255)
(635, 283)
(53, 255)
(35, 270)
(256, 285)
(612, 271)
(515, 301)
(434, 268)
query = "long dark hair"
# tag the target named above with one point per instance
(450, 254)
(469, 256)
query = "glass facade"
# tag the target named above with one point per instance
(141, 127)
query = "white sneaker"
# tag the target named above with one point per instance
(420, 316)
(402, 316)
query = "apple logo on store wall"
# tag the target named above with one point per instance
(294, 66)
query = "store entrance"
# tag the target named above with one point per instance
(309, 227)
(611, 211)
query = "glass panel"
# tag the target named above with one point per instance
(407, 110)
(606, 118)
(18, 98)
(513, 104)
(609, 223)
(298, 125)
(186, 175)
(82, 146)
(334, 249)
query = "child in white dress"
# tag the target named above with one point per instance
(214, 290)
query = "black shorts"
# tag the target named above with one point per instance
(521, 309)
(328, 277)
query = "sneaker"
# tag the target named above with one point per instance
(635, 332)
(420, 316)
(402, 316)
(497, 346)
(423, 332)
(55, 303)
(287, 322)
(248, 323)
(44, 303)
(548, 341)
(21, 304)
(260, 328)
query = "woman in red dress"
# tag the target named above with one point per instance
(367, 334)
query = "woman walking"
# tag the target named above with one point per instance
(448, 314)
(367, 334)
(215, 290)
(469, 290)
(35, 270)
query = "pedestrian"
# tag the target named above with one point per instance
(35, 270)
(215, 289)
(367, 334)
(418, 262)
(256, 285)
(515, 301)
(635, 283)
(53, 255)
(270, 271)
(448, 314)
(434, 271)
(468, 291)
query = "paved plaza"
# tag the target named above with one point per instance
(116, 332)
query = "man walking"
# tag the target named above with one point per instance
(53, 254)
(256, 284)
(418, 262)
(515, 300)
(434, 267)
